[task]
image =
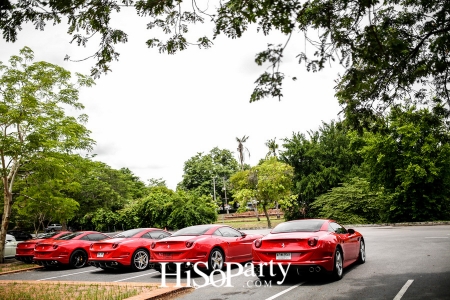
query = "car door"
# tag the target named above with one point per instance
(349, 242)
(237, 248)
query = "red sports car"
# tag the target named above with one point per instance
(127, 249)
(69, 249)
(210, 244)
(25, 250)
(310, 245)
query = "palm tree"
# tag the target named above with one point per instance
(273, 147)
(241, 149)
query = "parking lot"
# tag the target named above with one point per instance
(410, 262)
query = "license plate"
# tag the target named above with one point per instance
(283, 256)
(167, 255)
(100, 254)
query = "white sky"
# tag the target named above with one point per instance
(154, 111)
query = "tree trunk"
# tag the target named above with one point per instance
(255, 209)
(267, 216)
(7, 198)
(277, 209)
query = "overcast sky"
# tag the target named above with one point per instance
(154, 111)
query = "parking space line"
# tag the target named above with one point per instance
(403, 290)
(64, 275)
(135, 276)
(285, 291)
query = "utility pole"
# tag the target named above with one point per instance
(225, 190)
(214, 184)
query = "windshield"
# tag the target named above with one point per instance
(299, 226)
(69, 236)
(193, 230)
(46, 235)
(129, 233)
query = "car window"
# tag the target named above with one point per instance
(217, 232)
(337, 228)
(193, 230)
(98, 237)
(129, 233)
(158, 234)
(69, 235)
(299, 226)
(229, 232)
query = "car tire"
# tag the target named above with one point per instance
(216, 259)
(78, 259)
(140, 260)
(362, 252)
(338, 268)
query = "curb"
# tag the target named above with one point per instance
(21, 270)
(159, 293)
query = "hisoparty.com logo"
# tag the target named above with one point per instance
(225, 276)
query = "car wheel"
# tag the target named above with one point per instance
(338, 270)
(139, 261)
(362, 252)
(216, 260)
(78, 259)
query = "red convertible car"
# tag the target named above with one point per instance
(69, 249)
(127, 249)
(25, 250)
(212, 245)
(310, 245)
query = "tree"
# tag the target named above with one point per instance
(409, 161)
(208, 174)
(352, 202)
(241, 150)
(389, 49)
(321, 161)
(32, 119)
(269, 182)
(273, 147)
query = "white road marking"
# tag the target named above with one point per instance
(436, 237)
(403, 290)
(135, 276)
(64, 275)
(285, 291)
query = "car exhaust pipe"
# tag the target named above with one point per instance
(311, 269)
(318, 269)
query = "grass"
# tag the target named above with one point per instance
(249, 222)
(15, 266)
(75, 291)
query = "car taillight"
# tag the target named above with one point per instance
(189, 244)
(312, 241)
(115, 245)
(153, 245)
(55, 246)
(258, 243)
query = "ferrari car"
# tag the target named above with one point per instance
(213, 245)
(308, 246)
(70, 249)
(127, 249)
(25, 250)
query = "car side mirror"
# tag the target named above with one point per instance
(243, 234)
(351, 231)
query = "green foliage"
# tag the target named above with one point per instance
(320, 162)
(34, 126)
(164, 208)
(269, 182)
(410, 161)
(200, 171)
(351, 203)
